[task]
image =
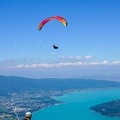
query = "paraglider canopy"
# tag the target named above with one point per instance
(55, 47)
(59, 18)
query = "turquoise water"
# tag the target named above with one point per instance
(76, 106)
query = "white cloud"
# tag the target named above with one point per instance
(116, 62)
(80, 66)
(66, 64)
(88, 57)
(76, 58)
(63, 62)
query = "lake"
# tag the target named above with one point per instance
(76, 106)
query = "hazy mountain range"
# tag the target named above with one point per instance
(17, 84)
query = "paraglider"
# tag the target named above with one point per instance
(59, 18)
(55, 47)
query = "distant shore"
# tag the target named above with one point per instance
(110, 109)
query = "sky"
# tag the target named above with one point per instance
(88, 46)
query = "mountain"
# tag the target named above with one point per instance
(12, 84)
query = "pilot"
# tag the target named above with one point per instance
(55, 47)
(28, 116)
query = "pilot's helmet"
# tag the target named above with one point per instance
(28, 114)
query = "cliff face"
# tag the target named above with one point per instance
(110, 109)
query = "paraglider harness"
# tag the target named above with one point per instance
(27, 118)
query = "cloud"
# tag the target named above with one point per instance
(69, 61)
(66, 64)
(77, 57)
(77, 66)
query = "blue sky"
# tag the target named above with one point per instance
(88, 46)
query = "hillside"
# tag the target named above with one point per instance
(11, 84)
(110, 109)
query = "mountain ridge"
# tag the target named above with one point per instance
(14, 83)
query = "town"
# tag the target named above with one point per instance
(14, 105)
